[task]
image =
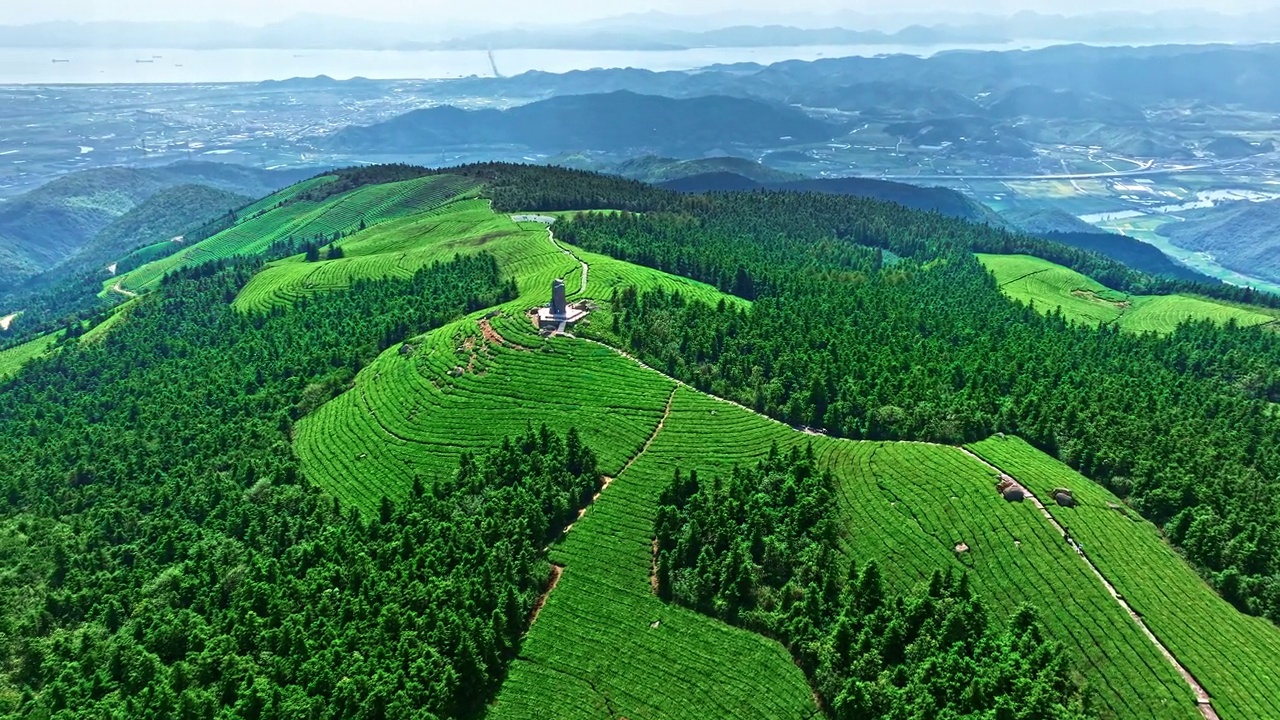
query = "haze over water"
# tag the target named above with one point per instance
(36, 66)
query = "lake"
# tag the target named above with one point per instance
(160, 65)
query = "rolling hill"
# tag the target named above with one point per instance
(616, 121)
(331, 459)
(48, 225)
(885, 100)
(161, 218)
(1240, 236)
(1037, 101)
(1047, 287)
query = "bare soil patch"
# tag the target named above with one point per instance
(556, 572)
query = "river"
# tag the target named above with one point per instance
(161, 65)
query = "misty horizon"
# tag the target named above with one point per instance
(508, 13)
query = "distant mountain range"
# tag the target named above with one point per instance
(643, 38)
(657, 169)
(657, 31)
(1074, 78)
(614, 122)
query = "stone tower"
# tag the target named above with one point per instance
(557, 297)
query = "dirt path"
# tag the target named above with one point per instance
(127, 293)
(7, 320)
(556, 572)
(608, 480)
(653, 569)
(1024, 277)
(492, 336)
(582, 286)
(1203, 702)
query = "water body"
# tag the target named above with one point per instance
(161, 65)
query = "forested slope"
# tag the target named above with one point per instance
(176, 561)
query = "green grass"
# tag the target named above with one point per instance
(1081, 298)
(304, 219)
(12, 360)
(1234, 656)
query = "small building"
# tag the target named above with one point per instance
(560, 314)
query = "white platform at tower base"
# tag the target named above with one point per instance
(571, 315)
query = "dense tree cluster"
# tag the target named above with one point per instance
(758, 549)
(164, 556)
(534, 187)
(873, 321)
(359, 176)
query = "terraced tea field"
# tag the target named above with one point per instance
(415, 413)
(593, 646)
(1235, 657)
(304, 219)
(12, 360)
(1048, 286)
(605, 646)
(907, 505)
(400, 247)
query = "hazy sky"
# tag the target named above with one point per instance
(255, 12)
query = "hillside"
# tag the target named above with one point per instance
(303, 218)
(617, 121)
(655, 169)
(327, 454)
(936, 199)
(1239, 236)
(48, 225)
(1037, 101)
(162, 217)
(891, 100)
(1134, 253)
(1050, 287)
